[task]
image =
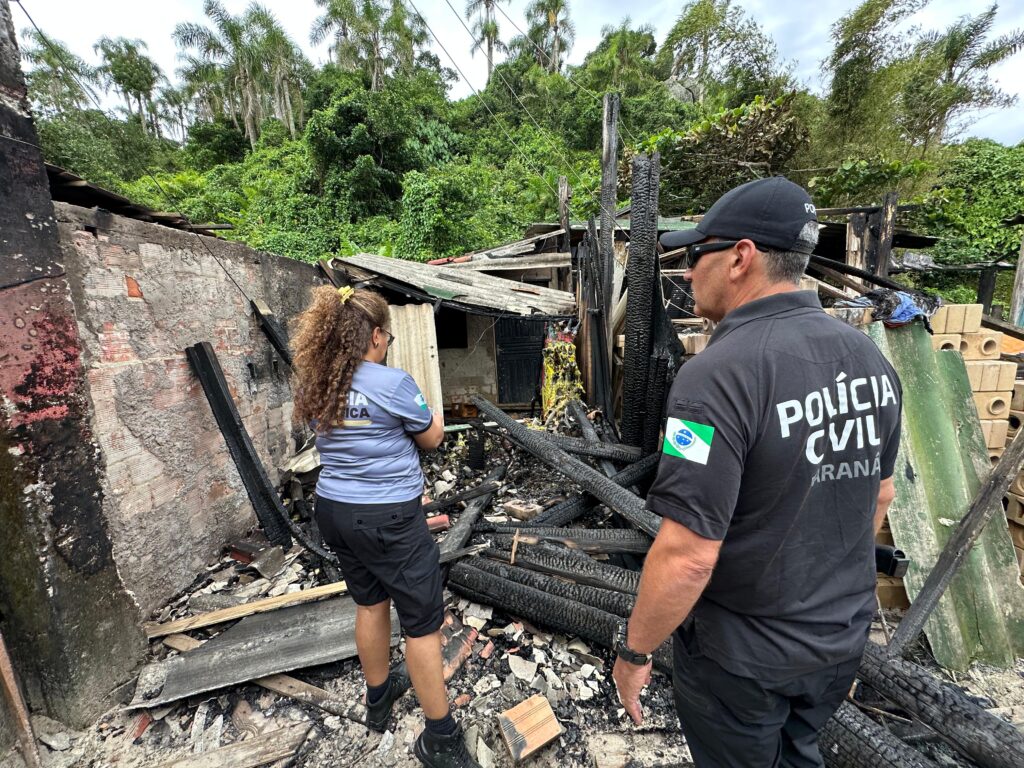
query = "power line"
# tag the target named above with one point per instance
(569, 77)
(174, 204)
(540, 128)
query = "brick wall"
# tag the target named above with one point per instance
(142, 293)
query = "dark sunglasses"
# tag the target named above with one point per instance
(694, 252)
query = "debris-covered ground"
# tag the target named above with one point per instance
(504, 661)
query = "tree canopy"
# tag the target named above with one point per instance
(370, 152)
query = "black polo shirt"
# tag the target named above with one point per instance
(778, 435)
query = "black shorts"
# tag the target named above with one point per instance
(740, 722)
(386, 552)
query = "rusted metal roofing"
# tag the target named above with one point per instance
(461, 289)
(66, 187)
(942, 462)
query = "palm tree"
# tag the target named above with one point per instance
(559, 31)
(172, 106)
(130, 72)
(339, 19)
(233, 46)
(485, 30)
(950, 76)
(59, 81)
(623, 60)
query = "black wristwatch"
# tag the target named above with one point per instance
(624, 652)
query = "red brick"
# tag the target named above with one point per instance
(134, 291)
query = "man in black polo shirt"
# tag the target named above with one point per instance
(776, 472)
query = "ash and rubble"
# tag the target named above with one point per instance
(509, 660)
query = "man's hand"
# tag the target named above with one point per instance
(629, 681)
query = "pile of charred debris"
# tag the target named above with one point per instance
(542, 532)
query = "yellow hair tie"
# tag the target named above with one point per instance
(345, 293)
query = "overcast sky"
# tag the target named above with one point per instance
(802, 37)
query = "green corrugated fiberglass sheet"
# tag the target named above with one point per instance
(941, 464)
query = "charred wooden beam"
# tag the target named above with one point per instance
(983, 737)
(608, 600)
(272, 329)
(579, 414)
(539, 607)
(596, 541)
(851, 739)
(579, 504)
(569, 564)
(264, 497)
(463, 528)
(484, 489)
(616, 497)
(584, 447)
(657, 381)
(641, 276)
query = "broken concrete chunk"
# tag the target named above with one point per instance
(447, 476)
(486, 684)
(523, 669)
(269, 562)
(484, 754)
(522, 510)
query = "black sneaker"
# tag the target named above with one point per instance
(444, 751)
(378, 713)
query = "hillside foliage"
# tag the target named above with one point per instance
(369, 153)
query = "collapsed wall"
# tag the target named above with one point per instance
(116, 486)
(142, 293)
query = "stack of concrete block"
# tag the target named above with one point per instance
(958, 328)
(1014, 500)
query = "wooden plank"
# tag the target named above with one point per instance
(415, 349)
(564, 195)
(241, 611)
(268, 748)
(856, 242)
(257, 647)
(285, 685)
(528, 727)
(13, 697)
(886, 230)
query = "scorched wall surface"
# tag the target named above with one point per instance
(142, 293)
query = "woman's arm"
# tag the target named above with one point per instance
(432, 436)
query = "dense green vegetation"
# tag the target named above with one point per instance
(369, 153)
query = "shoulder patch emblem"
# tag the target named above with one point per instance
(688, 440)
(421, 401)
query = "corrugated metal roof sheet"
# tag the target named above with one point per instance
(940, 467)
(461, 288)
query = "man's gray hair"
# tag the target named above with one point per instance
(789, 266)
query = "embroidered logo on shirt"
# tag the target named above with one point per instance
(688, 440)
(421, 401)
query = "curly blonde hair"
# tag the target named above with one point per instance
(329, 342)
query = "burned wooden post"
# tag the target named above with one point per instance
(612, 601)
(851, 739)
(593, 540)
(987, 502)
(459, 533)
(886, 230)
(609, 183)
(264, 497)
(987, 287)
(629, 505)
(571, 565)
(641, 274)
(979, 735)
(564, 194)
(579, 504)
(856, 242)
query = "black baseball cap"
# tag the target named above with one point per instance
(771, 212)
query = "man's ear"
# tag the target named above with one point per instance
(743, 256)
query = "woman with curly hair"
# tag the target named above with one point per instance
(369, 421)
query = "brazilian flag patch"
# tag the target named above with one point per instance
(688, 440)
